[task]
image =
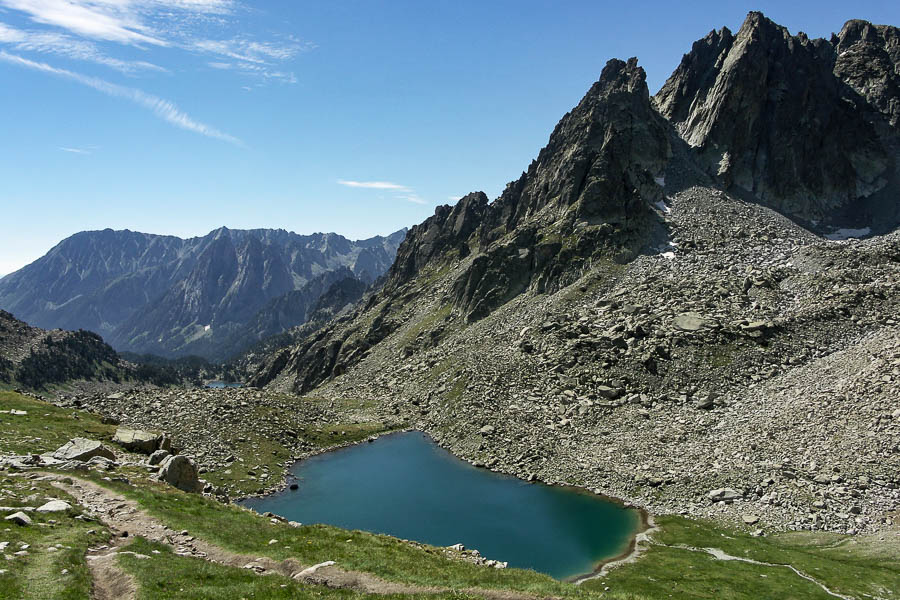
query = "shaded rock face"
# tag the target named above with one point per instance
(449, 229)
(586, 195)
(802, 125)
(868, 57)
(601, 159)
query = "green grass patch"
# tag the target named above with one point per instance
(46, 427)
(454, 394)
(721, 355)
(165, 575)
(674, 573)
(55, 567)
(324, 436)
(432, 275)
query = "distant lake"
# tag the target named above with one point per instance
(222, 384)
(406, 486)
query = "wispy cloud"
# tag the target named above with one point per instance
(46, 42)
(402, 192)
(109, 20)
(180, 24)
(252, 51)
(252, 57)
(374, 185)
(75, 150)
(163, 109)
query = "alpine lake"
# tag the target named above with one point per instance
(405, 485)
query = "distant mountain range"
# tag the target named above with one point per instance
(210, 296)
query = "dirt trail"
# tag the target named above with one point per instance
(126, 519)
(109, 581)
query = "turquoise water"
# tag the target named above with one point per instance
(406, 486)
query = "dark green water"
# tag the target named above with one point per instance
(406, 486)
(218, 385)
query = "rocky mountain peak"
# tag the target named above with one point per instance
(611, 144)
(591, 185)
(771, 114)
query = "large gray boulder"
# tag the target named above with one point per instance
(181, 472)
(136, 440)
(83, 449)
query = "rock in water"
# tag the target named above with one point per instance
(83, 449)
(181, 472)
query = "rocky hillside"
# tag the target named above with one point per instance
(35, 358)
(169, 296)
(665, 306)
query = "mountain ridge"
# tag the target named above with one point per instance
(136, 289)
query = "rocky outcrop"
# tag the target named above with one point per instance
(587, 196)
(450, 228)
(35, 358)
(868, 57)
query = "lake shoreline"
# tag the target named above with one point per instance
(645, 520)
(631, 553)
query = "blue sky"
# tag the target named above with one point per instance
(179, 116)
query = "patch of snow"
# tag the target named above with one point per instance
(206, 328)
(660, 181)
(661, 206)
(669, 255)
(848, 234)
